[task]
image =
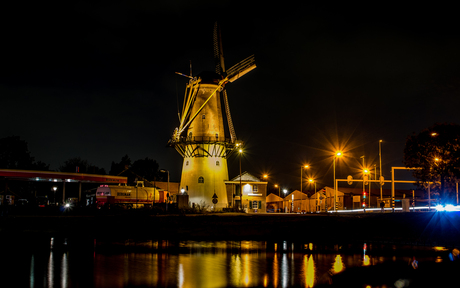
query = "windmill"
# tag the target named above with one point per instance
(200, 138)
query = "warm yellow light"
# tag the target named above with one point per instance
(310, 271)
(338, 264)
(366, 171)
(241, 150)
(434, 134)
(366, 260)
(276, 185)
(311, 180)
(436, 159)
(265, 176)
(338, 154)
(306, 166)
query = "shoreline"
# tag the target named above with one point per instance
(421, 229)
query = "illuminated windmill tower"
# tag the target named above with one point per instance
(200, 137)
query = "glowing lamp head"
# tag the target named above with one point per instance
(240, 150)
(311, 180)
(366, 171)
(338, 154)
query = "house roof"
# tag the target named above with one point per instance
(273, 198)
(297, 195)
(245, 177)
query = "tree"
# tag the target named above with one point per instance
(436, 151)
(79, 165)
(118, 168)
(14, 154)
(146, 168)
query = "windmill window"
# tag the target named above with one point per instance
(203, 116)
(186, 163)
(201, 179)
(217, 163)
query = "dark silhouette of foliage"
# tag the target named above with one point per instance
(77, 164)
(119, 168)
(436, 150)
(14, 154)
(146, 168)
(141, 170)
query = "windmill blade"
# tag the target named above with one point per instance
(218, 51)
(229, 118)
(243, 67)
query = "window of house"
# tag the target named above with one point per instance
(203, 116)
(201, 179)
(217, 163)
(254, 188)
(186, 163)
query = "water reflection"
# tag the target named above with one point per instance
(206, 264)
(338, 264)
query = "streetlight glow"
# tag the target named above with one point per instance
(337, 154)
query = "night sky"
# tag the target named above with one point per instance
(97, 80)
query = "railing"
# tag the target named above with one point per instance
(204, 139)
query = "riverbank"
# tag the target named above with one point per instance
(430, 228)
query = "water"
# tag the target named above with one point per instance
(94, 263)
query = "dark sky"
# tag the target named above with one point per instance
(96, 80)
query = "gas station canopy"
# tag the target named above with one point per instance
(50, 176)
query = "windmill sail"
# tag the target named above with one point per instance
(200, 138)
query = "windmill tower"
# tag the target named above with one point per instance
(200, 138)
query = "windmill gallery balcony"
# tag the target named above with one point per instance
(204, 146)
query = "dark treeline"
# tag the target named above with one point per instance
(15, 154)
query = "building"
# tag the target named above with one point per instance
(274, 203)
(254, 193)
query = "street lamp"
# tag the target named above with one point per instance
(279, 189)
(301, 170)
(336, 155)
(380, 159)
(285, 191)
(166, 171)
(54, 197)
(240, 150)
(317, 198)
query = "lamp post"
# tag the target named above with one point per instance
(279, 189)
(337, 154)
(285, 191)
(54, 197)
(301, 174)
(317, 198)
(164, 171)
(380, 159)
(240, 150)
(301, 184)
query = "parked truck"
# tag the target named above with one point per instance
(129, 196)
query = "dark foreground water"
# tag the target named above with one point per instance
(92, 263)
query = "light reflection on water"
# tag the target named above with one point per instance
(200, 264)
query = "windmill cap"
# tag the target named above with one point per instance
(210, 77)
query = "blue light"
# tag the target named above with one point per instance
(447, 208)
